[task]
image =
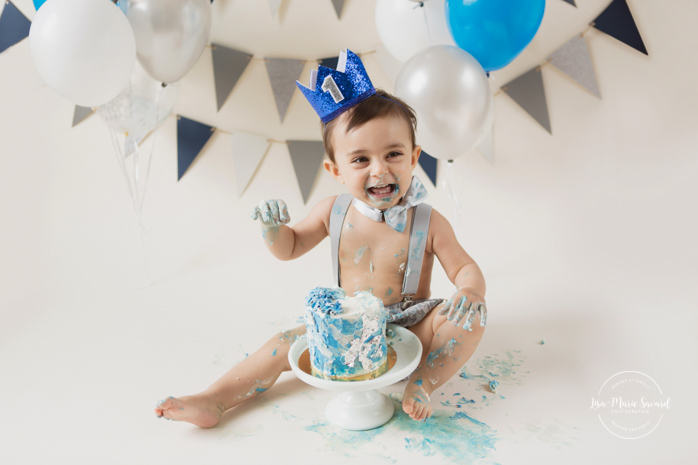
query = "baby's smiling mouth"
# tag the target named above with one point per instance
(383, 190)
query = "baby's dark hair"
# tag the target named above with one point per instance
(380, 105)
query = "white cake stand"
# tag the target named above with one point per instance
(359, 406)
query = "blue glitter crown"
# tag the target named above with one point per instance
(332, 92)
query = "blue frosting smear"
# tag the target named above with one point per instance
(325, 300)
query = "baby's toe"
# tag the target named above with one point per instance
(417, 411)
(426, 414)
(165, 404)
(408, 405)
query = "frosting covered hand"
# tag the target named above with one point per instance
(271, 213)
(463, 307)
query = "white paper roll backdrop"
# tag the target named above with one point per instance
(84, 49)
(448, 89)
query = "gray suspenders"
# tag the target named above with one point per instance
(418, 240)
(339, 211)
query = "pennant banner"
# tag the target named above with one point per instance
(428, 164)
(228, 66)
(191, 138)
(80, 114)
(338, 5)
(283, 73)
(14, 26)
(248, 152)
(618, 22)
(574, 60)
(306, 156)
(527, 90)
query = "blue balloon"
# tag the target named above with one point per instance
(494, 31)
(122, 4)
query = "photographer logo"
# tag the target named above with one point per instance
(630, 405)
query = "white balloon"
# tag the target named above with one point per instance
(449, 90)
(405, 27)
(84, 49)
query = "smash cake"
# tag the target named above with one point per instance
(346, 335)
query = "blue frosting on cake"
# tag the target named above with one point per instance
(346, 335)
(325, 300)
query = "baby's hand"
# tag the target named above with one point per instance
(271, 213)
(463, 307)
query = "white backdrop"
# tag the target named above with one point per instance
(585, 237)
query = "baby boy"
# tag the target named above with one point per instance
(384, 240)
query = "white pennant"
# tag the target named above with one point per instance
(274, 7)
(486, 146)
(248, 152)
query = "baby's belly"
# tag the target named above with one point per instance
(382, 285)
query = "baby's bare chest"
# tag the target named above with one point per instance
(372, 248)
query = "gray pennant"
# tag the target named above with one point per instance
(228, 66)
(574, 60)
(571, 2)
(338, 5)
(528, 91)
(80, 114)
(306, 156)
(283, 73)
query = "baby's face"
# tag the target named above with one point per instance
(375, 161)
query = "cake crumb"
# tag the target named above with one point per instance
(493, 385)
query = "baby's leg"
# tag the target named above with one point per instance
(252, 376)
(446, 349)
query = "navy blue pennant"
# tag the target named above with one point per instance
(191, 138)
(330, 62)
(428, 164)
(618, 22)
(571, 2)
(14, 26)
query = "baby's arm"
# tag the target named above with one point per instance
(462, 271)
(287, 243)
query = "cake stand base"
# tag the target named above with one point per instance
(360, 410)
(359, 406)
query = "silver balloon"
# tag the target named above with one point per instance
(448, 89)
(170, 35)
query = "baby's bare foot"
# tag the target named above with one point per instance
(199, 410)
(416, 402)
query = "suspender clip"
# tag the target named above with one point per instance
(406, 300)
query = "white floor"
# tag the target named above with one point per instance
(586, 239)
(87, 347)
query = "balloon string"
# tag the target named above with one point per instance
(426, 21)
(456, 209)
(120, 160)
(122, 166)
(152, 146)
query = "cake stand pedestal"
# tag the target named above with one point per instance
(359, 406)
